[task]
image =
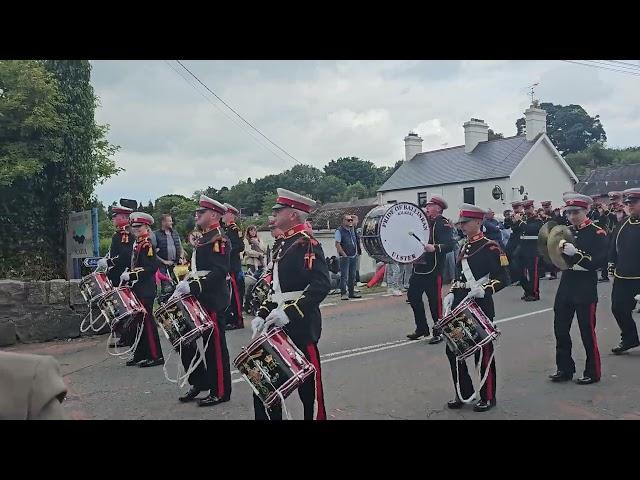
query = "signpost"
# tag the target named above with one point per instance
(82, 240)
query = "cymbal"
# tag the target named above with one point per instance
(543, 236)
(558, 236)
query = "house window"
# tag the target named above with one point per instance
(422, 199)
(469, 195)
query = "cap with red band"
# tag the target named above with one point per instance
(574, 201)
(207, 203)
(140, 218)
(287, 198)
(120, 209)
(516, 204)
(631, 194)
(470, 212)
(438, 200)
(232, 209)
(527, 203)
(546, 203)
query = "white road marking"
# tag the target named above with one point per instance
(354, 352)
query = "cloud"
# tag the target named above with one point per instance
(174, 140)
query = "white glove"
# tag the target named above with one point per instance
(124, 277)
(181, 289)
(102, 264)
(447, 303)
(257, 325)
(477, 292)
(637, 298)
(569, 249)
(277, 317)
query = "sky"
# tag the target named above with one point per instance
(176, 137)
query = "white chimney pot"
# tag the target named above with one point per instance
(536, 122)
(475, 131)
(412, 146)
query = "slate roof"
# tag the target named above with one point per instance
(602, 180)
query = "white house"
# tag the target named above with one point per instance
(487, 173)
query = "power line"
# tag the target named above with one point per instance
(634, 65)
(231, 119)
(240, 116)
(610, 64)
(602, 68)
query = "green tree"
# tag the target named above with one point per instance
(356, 190)
(268, 201)
(494, 136)
(329, 187)
(570, 127)
(353, 169)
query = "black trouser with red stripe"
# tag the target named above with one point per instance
(234, 311)
(310, 392)
(530, 280)
(216, 375)
(564, 309)
(488, 389)
(622, 305)
(148, 347)
(431, 284)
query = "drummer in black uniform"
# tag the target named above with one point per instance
(300, 282)
(119, 256)
(480, 273)
(578, 293)
(234, 233)
(427, 270)
(208, 283)
(142, 279)
(624, 265)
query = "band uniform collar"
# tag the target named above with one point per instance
(476, 237)
(294, 230)
(211, 227)
(586, 223)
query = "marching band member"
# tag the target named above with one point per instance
(300, 282)
(550, 216)
(141, 277)
(578, 293)
(427, 270)
(624, 266)
(235, 235)
(609, 222)
(208, 283)
(529, 226)
(119, 257)
(479, 275)
(511, 249)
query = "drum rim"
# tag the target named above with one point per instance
(288, 387)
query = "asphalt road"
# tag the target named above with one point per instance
(371, 371)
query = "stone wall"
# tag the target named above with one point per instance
(39, 311)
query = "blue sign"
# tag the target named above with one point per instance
(91, 262)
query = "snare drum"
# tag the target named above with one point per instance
(121, 308)
(259, 293)
(183, 320)
(467, 329)
(389, 233)
(273, 366)
(94, 286)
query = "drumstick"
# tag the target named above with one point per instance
(416, 237)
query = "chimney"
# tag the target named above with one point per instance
(412, 146)
(536, 122)
(475, 131)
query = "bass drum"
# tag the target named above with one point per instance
(395, 233)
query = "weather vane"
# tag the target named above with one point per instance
(534, 102)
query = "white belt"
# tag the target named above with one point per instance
(529, 237)
(282, 297)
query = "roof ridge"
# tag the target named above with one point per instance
(461, 146)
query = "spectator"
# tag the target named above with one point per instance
(169, 250)
(358, 230)
(32, 387)
(254, 251)
(346, 245)
(491, 228)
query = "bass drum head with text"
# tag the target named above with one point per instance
(389, 233)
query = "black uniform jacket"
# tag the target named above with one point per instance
(144, 265)
(119, 257)
(624, 249)
(441, 236)
(235, 235)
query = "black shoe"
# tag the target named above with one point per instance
(561, 376)
(355, 295)
(603, 280)
(436, 339)
(531, 298)
(623, 348)
(151, 363)
(132, 362)
(190, 395)
(455, 404)
(211, 400)
(553, 277)
(417, 335)
(231, 327)
(587, 380)
(484, 405)
(523, 297)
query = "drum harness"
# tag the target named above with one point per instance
(472, 282)
(92, 321)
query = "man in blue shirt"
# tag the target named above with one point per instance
(347, 246)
